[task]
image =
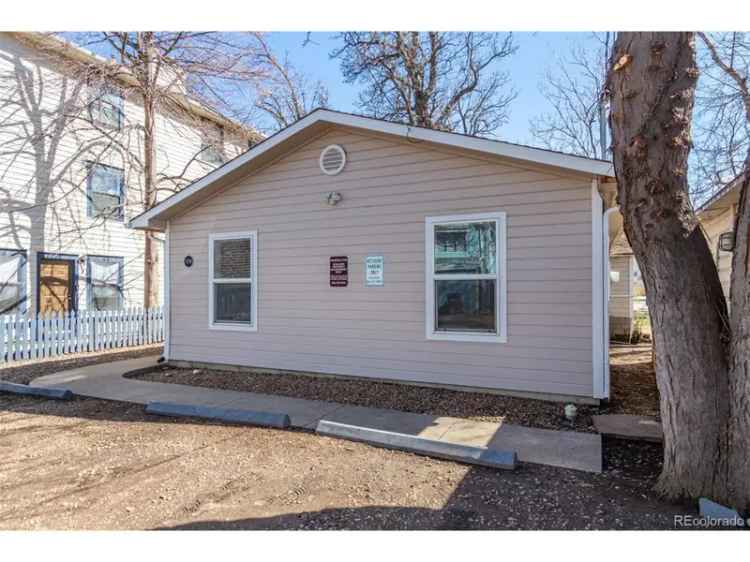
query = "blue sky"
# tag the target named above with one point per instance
(536, 52)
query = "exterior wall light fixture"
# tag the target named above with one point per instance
(333, 198)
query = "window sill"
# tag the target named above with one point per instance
(106, 219)
(467, 337)
(232, 327)
(106, 126)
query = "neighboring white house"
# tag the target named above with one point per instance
(71, 176)
(626, 294)
(354, 246)
(628, 313)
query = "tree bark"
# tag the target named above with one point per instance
(652, 80)
(150, 253)
(739, 357)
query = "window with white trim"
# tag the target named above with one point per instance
(212, 146)
(233, 290)
(105, 190)
(106, 107)
(104, 280)
(12, 281)
(465, 280)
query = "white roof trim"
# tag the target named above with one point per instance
(717, 197)
(497, 148)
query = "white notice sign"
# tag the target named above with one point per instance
(374, 271)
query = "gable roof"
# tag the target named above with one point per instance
(317, 122)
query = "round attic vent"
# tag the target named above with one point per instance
(332, 159)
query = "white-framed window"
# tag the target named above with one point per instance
(104, 281)
(105, 190)
(106, 107)
(13, 281)
(466, 289)
(232, 281)
(212, 146)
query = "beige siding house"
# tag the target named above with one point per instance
(718, 216)
(351, 246)
(628, 313)
(71, 177)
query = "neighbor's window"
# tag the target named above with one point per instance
(233, 275)
(466, 280)
(106, 108)
(105, 191)
(12, 281)
(104, 280)
(212, 146)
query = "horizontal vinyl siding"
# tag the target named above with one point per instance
(388, 189)
(715, 228)
(619, 291)
(59, 223)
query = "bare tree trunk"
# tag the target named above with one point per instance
(150, 255)
(652, 85)
(739, 358)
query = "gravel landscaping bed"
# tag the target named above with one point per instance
(26, 371)
(408, 398)
(632, 384)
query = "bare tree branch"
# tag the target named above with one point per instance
(180, 79)
(439, 80)
(286, 95)
(574, 87)
(723, 104)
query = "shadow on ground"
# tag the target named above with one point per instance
(374, 517)
(534, 497)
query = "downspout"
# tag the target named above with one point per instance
(600, 292)
(167, 291)
(605, 273)
(598, 307)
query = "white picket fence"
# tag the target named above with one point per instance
(36, 337)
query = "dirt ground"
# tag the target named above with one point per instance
(632, 381)
(93, 464)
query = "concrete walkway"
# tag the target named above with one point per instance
(567, 449)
